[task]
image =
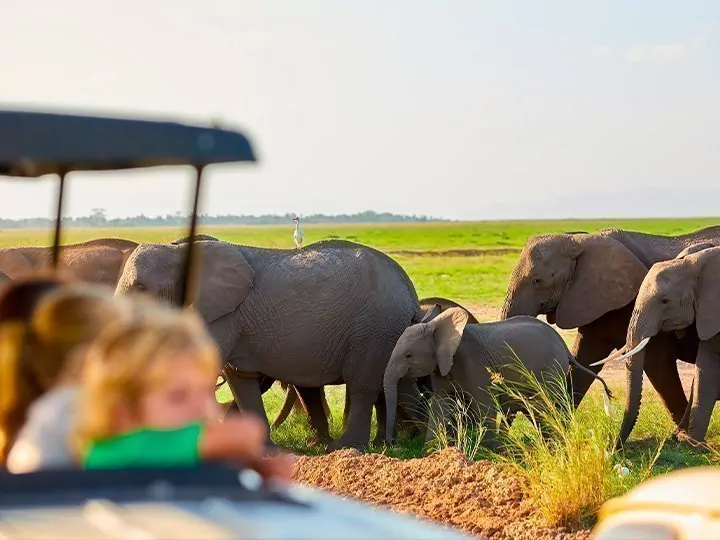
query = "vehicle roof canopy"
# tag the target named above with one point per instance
(36, 143)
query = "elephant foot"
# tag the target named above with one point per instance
(379, 440)
(316, 440)
(340, 444)
(683, 437)
(679, 435)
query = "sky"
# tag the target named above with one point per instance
(463, 109)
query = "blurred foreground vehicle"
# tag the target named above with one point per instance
(209, 501)
(679, 505)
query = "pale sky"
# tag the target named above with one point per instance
(465, 109)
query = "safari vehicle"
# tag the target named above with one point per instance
(679, 505)
(208, 501)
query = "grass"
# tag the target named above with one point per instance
(476, 275)
(470, 263)
(567, 463)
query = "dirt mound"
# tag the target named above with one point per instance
(477, 497)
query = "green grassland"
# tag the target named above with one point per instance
(468, 262)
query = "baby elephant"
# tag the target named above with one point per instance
(456, 353)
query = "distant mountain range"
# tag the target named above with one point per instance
(99, 219)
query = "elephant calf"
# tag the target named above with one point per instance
(454, 352)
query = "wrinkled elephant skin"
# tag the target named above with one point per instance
(329, 313)
(590, 282)
(678, 296)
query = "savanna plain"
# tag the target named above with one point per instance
(536, 488)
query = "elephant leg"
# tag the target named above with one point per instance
(346, 409)
(247, 395)
(357, 433)
(682, 426)
(661, 369)
(326, 406)
(411, 414)
(494, 431)
(707, 381)
(289, 403)
(591, 345)
(435, 418)
(312, 399)
(381, 418)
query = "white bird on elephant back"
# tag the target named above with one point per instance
(298, 234)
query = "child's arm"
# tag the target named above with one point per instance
(237, 438)
(241, 439)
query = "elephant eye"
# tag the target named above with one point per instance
(140, 287)
(408, 355)
(665, 301)
(536, 280)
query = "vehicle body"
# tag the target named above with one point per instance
(209, 501)
(681, 504)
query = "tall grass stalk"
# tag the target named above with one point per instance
(456, 423)
(566, 466)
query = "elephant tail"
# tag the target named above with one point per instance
(590, 372)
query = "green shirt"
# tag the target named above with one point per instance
(147, 448)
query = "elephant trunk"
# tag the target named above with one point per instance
(394, 371)
(518, 303)
(640, 330)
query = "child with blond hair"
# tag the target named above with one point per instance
(148, 400)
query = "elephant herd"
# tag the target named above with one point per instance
(654, 298)
(337, 312)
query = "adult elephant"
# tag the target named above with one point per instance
(310, 399)
(291, 401)
(676, 296)
(329, 313)
(589, 282)
(95, 261)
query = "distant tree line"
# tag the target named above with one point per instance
(98, 218)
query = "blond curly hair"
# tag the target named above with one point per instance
(127, 360)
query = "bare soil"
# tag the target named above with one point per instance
(476, 497)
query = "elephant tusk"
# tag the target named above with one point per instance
(612, 356)
(640, 346)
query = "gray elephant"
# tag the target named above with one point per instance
(589, 282)
(674, 297)
(456, 353)
(292, 400)
(329, 313)
(95, 261)
(294, 397)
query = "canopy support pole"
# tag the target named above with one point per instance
(190, 269)
(58, 221)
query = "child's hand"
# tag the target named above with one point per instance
(238, 437)
(278, 467)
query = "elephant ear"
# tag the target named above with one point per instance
(694, 249)
(225, 280)
(607, 276)
(447, 329)
(433, 312)
(707, 298)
